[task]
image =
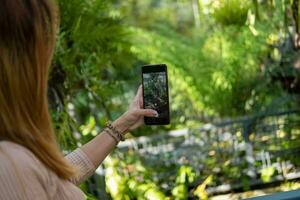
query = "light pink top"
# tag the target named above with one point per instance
(24, 177)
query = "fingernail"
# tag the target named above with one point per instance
(155, 113)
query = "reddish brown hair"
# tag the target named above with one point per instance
(27, 41)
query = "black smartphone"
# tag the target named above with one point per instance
(156, 93)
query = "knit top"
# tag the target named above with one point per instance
(24, 177)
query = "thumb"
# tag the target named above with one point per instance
(147, 112)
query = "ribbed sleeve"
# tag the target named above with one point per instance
(86, 168)
(24, 177)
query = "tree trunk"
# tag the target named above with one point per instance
(295, 10)
(255, 3)
(196, 12)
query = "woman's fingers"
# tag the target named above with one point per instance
(138, 99)
(139, 93)
(147, 112)
(140, 96)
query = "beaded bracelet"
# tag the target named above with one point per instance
(112, 135)
(115, 131)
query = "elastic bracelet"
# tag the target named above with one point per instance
(112, 135)
(115, 131)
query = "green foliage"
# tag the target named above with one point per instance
(267, 173)
(135, 180)
(227, 67)
(92, 74)
(207, 69)
(212, 72)
(200, 190)
(231, 12)
(185, 176)
(131, 182)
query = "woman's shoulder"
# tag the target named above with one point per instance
(17, 158)
(8, 146)
(22, 174)
(14, 152)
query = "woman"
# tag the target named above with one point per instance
(31, 166)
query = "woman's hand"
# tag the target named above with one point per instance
(134, 117)
(99, 147)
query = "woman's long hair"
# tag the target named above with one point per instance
(27, 41)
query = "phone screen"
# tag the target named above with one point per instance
(155, 93)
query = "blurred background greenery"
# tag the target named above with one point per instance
(227, 60)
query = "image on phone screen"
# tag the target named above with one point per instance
(155, 89)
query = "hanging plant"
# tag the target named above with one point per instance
(231, 12)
